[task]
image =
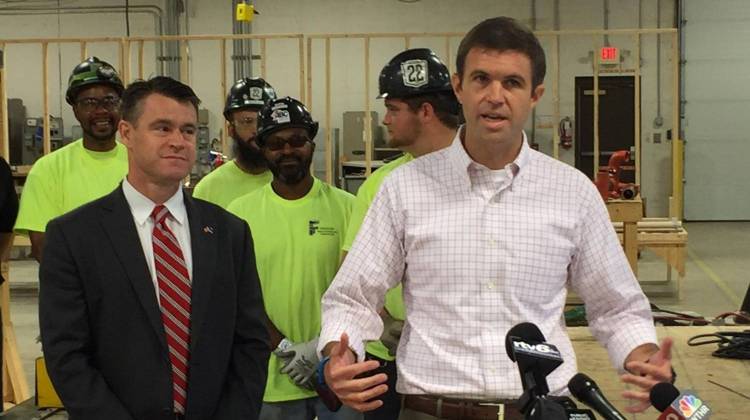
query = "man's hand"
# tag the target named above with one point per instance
(391, 332)
(341, 375)
(656, 368)
(299, 362)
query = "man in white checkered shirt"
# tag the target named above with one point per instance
(489, 233)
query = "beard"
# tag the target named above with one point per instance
(290, 174)
(101, 136)
(249, 156)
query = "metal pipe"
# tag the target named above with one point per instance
(606, 22)
(680, 25)
(556, 13)
(658, 120)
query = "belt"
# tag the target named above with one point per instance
(453, 409)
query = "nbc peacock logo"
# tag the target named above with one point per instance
(689, 404)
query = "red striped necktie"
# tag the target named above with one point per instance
(174, 297)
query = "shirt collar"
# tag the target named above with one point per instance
(464, 162)
(142, 206)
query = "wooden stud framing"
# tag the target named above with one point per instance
(556, 97)
(45, 92)
(329, 136)
(184, 64)
(16, 387)
(263, 58)
(301, 47)
(448, 59)
(223, 91)
(368, 118)
(308, 96)
(306, 68)
(637, 108)
(676, 210)
(595, 62)
(140, 59)
(126, 61)
(84, 50)
(4, 140)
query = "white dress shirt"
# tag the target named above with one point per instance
(482, 251)
(141, 208)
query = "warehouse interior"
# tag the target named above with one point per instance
(659, 83)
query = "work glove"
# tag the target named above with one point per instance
(299, 361)
(391, 332)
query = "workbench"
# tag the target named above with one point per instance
(629, 212)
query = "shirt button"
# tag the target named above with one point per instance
(493, 371)
(491, 285)
(492, 243)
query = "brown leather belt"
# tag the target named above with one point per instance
(452, 409)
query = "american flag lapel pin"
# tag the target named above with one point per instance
(208, 229)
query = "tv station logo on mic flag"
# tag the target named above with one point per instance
(691, 407)
(545, 350)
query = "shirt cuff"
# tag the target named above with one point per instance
(626, 339)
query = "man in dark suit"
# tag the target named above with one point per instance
(149, 303)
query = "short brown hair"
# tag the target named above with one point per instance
(138, 91)
(444, 104)
(504, 34)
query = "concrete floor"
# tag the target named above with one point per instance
(718, 274)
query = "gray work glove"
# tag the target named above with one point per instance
(391, 332)
(299, 361)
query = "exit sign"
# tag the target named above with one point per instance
(609, 55)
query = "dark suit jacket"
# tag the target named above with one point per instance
(102, 334)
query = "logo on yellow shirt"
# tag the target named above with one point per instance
(313, 227)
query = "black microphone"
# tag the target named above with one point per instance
(525, 345)
(587, 391)
(676, 405)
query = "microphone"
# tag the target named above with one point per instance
(525, 345)
(587, 391)
(676, 405)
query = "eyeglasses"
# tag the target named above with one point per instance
(278, 143)
(110, 103)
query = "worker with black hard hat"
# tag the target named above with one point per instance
(85, 169)
(416, 71)
(420, 118)
(298, 224)
(248, 170)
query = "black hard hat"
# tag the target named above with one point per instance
(92, 71)
(248, 92)
(414, 72)
(281, 113)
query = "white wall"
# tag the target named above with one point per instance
(717, 94)
(347, 16)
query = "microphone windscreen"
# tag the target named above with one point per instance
(525, 331)
(662, 395)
